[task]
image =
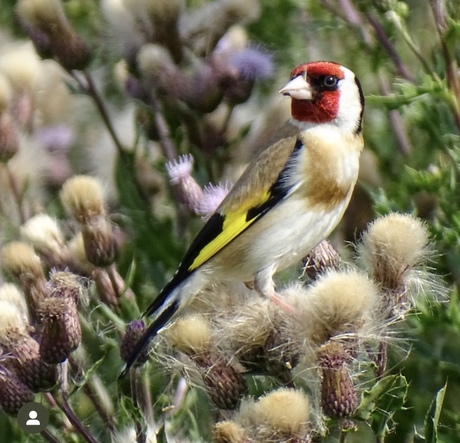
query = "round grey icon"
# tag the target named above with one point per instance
(33, 417)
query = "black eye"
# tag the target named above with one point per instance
(330, 81)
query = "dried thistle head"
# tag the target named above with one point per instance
(281, 415)
(83, 198)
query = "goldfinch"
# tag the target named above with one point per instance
(290, 197)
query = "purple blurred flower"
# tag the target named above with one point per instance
(252, 62)
(55, 137)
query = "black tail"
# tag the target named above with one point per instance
(149, 334)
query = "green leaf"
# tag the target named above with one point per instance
(432, 416)
(382, 401)
(371, 397)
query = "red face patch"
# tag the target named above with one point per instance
(325, 103)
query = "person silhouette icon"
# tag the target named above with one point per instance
(33, 419)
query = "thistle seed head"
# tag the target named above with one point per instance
(392, 246)
(83, 198)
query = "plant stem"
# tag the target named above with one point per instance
(48, 436)
(91, 90)
(61, 400)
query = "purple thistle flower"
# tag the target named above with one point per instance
(212, 198)
(252, 62)
(180, 168)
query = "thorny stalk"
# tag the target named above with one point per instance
(62, 402)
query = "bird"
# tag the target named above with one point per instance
(291, 196)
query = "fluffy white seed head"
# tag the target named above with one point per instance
(43, 233)
(6, 93)
(83, 198)
(339, 302)
(153, 60)
(190, 334)
(21, 66)
(11, 319)
(393, 245)
(44, 14)
(10, 293)
(20, 258)
(227, 432)
(285, 411)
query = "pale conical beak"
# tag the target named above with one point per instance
(297, 88)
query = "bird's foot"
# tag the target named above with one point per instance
(278, 300)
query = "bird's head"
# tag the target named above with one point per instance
(325, 92)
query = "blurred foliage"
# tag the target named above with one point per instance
(406, 55)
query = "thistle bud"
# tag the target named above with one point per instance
(83, 198)
(134, 332)
(165, 16)
(29, 366)
(338, 393)
(282, 415)
(60, 331)
(13, 393)
(320, 260)
(223, 381)
(158, 70)
(108, 290)
(228, 432)
(48, 17)
(207, 25)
